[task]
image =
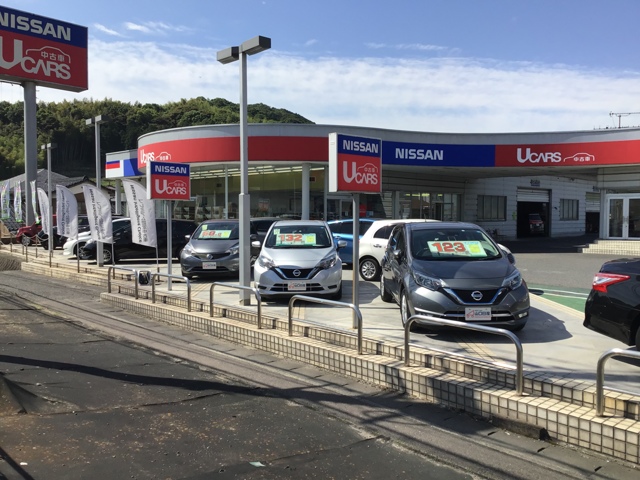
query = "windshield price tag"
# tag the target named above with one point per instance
(477, 314)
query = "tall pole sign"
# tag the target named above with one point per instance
(355, 166)
(40, 51)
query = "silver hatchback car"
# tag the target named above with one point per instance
(453, 271)
(299, 257)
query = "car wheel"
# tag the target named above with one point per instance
(106, 256)
(369, 269)
(385, 296)
(405, 312)
(338, 294)
(25, 240)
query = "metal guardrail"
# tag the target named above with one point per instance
(478, 328)
(112, 270)
(169, 276)
(614, 352)
(239, 287)
(356, 312)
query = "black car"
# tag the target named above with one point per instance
(124, 248)
(613, 305)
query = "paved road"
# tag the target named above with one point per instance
(93, 392)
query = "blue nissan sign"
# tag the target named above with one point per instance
(438, 155)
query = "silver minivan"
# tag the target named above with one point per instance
(298, 257)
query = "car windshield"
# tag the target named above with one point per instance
(217, 231)
(452, 244)
(298, 236)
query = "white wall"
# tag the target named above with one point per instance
(560, 188)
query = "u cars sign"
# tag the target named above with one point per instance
(168, 181)
(42, 50)
(354, 164)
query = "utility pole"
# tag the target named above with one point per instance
(620, 115)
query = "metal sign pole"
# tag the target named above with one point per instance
(355, 258)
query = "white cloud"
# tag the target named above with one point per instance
(106, 30)
(436, 94)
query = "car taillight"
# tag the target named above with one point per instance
(602, 280)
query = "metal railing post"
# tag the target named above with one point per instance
(169, 276)
(478, 328)
(356, 313)
(614, 352)
(255, 291)
(111, 270)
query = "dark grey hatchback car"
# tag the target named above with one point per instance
(453, 271)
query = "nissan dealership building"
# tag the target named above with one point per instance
(514, 184)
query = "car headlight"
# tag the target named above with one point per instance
(188, 249)
(513, 281)
(428, 282)
(265, 261)
(234, 250)
(328, 261)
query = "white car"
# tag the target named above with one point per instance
(72, 245)
(373, 244)
(298, 257)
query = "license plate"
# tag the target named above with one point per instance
(209, 265)
(297, 287)
(478, 314)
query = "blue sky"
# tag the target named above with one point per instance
(458, 66)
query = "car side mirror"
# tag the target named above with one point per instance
(508, 254)
(256, 244)
(187, 237)
(398, 254)
(341, 244)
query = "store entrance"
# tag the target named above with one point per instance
(624, 216)
(339, 208)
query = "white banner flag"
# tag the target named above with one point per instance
(98, 213)
(33, 200)
(17, 202)
(43, 201)
(142, 214)
(66, 212)
(5, 201)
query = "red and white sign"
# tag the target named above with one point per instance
(355, 164)
(38, 49)
(168, 181)
(568, 154)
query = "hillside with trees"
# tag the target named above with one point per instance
(64, 124)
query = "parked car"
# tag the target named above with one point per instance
(213, 249)
(374, 243)
(536, 224)
(299, 257)
(83, 226)
(613, 305)
(261, 226)
(453, 271)
(343, 230)
(124, 248)
(27, 233)
(71, 245)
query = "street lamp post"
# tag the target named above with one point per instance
(50, 240)
(97, 121)
(228, 55)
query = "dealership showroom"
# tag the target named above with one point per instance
(515, 185)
